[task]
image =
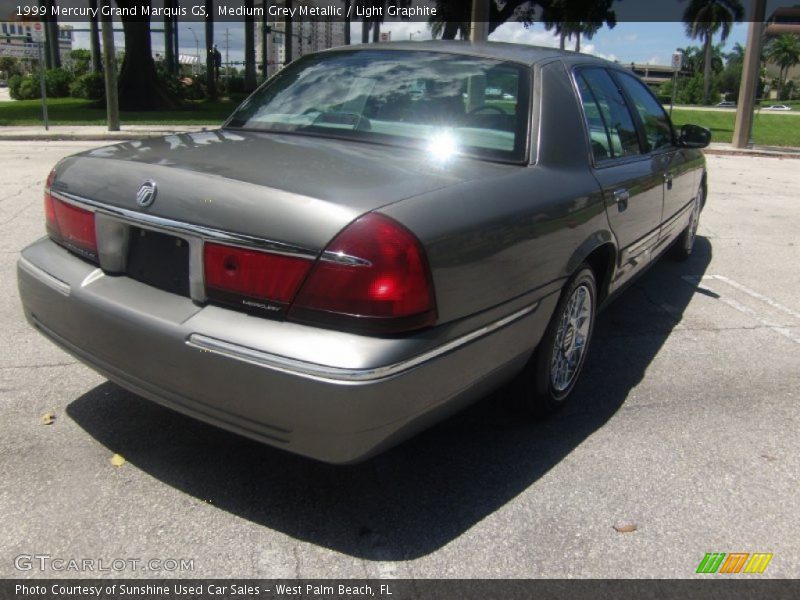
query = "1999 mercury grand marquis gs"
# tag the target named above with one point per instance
(374, 239)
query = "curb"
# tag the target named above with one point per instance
(97, 136)
(756, 153)
(69, 137)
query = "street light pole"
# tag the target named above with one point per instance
(196, 51)
(43, 87)
(227, 62)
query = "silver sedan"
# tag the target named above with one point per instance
(370, 242)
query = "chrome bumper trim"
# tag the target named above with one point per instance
(181, 228)
(43, 276)
(337, 374)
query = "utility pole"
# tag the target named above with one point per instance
(677, 64)
(288, 42)
(176, 42)
(479, 23)
(54, 46)
(747, 89)
(249, 49)
(110, 66)
(264, 40)
(227, 63)
(211, 81)
(38, 32)
(196, 52)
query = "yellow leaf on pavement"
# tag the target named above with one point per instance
(626, 526)
(117, 460)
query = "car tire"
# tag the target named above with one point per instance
(549, 376)
(682, 249)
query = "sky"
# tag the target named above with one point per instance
(628, 42)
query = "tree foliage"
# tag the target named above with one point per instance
(10, 66)
(569, 18)
(453, 17)
(576, 18)
(784, 51)
(725, 79)
(705, 18)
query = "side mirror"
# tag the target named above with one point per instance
(694, 136)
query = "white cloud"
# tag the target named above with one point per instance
(591, 49)
(517, 33)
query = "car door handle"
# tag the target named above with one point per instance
(668, 180)
(621, 197)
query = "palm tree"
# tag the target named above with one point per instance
(451, 20)
(703, 19)
(211, 81)
(249, 46)
(566, 17)
(347, 22)
(452, 17)
(586, 28)
(784, 51)
(691, 59)
(138, 84)
(736, 55)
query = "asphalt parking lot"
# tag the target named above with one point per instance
(687, 424)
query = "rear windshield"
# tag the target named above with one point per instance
(446, 103)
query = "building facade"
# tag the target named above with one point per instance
(16, 40)
(783, 20)
(307, 37)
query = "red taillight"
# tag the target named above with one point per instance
(251, 278)
(50, 215)
(69, 225)
(373, 276)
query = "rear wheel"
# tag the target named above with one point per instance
(682, 249)
(550, 375)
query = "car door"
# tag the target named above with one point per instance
(632, 183)
(677, 165)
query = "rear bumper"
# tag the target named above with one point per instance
(333, 396)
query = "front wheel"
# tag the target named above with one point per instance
(550, 375)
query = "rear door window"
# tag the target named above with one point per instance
(602, 98)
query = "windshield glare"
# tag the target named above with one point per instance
(445, 103)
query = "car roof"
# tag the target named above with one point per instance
(521, 53)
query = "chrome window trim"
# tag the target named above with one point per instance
(180, 228)
(330, 374)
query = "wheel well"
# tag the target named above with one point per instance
(601, 260)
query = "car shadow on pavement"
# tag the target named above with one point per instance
(416, 498)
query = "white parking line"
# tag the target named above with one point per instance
(757, 295)
(784, 331)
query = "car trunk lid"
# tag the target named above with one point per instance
(292, 189)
